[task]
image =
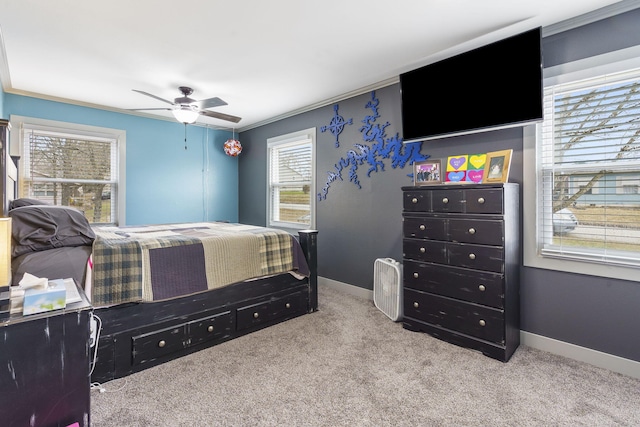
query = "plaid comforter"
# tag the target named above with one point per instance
(159, 262)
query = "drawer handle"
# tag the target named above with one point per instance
(287, 305)
(256, 315)
(472, 256)
(472, 230)
(482, 322)
(482, 288)
(481, 200)
(415, 275)
(162, 343)
(416, 305)
(423, 250)
(210, 329)
(414, 200)
(422, 227)
(445, 200)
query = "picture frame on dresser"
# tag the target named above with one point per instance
(428, 172)
(497, 166)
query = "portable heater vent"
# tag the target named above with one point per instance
(387, 287)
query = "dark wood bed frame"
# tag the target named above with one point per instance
(136, 336)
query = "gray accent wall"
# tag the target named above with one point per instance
(358, 225)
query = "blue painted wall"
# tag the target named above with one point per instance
(164, 182)
(1, 102)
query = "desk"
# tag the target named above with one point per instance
(44, 367)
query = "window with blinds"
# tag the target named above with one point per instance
(67, 169)
(588, 171)
(290, 199)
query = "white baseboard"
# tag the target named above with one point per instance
(593, 357)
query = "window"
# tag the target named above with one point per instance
(69, 165)
(585, 163)
(291, 180)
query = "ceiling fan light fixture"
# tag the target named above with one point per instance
(186, 114)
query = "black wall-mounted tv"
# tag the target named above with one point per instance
(493, 86)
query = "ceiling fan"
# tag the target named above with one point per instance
(186, 110)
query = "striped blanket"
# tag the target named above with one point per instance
(159, 262)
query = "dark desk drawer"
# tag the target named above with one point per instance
(471, 319)
(480, 287)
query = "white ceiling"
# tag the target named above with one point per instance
(266, 59)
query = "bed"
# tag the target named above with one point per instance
(163, 291)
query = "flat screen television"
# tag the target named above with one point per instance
(493, 86)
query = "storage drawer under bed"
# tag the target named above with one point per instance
(160, 343)
(276, 308)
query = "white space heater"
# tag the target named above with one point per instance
(387, 287)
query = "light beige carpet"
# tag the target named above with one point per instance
(349, 365)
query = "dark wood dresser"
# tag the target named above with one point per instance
(461, 245)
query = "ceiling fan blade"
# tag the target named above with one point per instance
(153, 96)
(220, 116)
(210, 103)
(147, 109)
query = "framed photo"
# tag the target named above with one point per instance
(427, 173)
(496, 168)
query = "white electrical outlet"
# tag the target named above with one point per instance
(93, 331)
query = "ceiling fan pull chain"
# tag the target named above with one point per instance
(185, 136)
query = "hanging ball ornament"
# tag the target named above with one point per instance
(232, 147)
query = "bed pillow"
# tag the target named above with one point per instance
(41, 227)
(18, 203)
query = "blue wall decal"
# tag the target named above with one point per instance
(381, 148)
(336, 125)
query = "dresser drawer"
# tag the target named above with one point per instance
(484, 200)
(264, 312)
(417, 201)
(449, 200)
(486, 232)
(477, 257)
(467, 318)
(469, 285)
(425, 250)
(210, 328)
(424, 228)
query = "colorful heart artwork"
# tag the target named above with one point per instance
(457, 162)
(455, 176)
(475, 176)
(478, 160)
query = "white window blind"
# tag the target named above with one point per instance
(68, 169)
(589, 170)
(291, 180)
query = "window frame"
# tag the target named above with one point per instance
(613, 62)
(291, 139)
(20, 123)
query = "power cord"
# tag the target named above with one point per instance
(103, 389)
(95, 342)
